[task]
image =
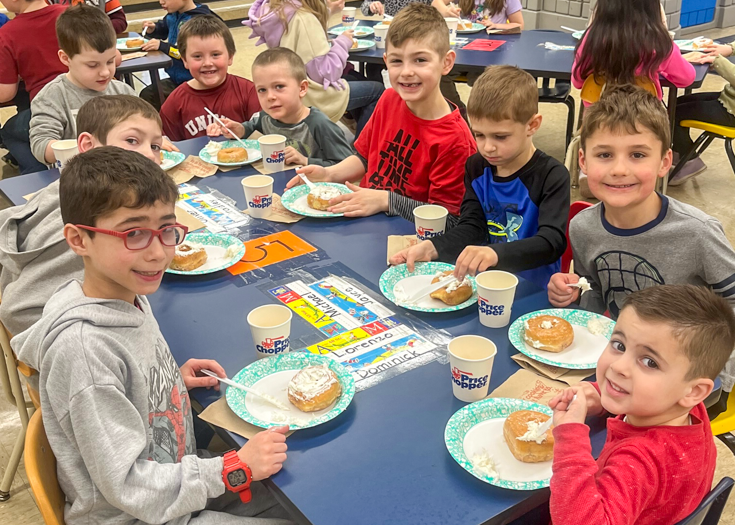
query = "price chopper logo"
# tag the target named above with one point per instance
(260, 201)
(490, 309)
(276, 157)
(273, 346)
(427, 233)
(466, 380)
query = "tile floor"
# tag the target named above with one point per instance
(709, 192)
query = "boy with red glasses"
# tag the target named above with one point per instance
(115, 405)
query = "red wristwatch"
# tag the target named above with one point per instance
(237, 476)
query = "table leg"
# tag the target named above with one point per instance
(157, 87)
(673, 94)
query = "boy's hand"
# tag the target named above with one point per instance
(215, 130)
(561, 295)
(152, 45)
(594, 402)
(265, 452)
(718, 49)
(377, 8)
(454, 10)
(567, 409)
(423, 251)
(362, 202)
(150, 25)
(294, 157)
(474, 259)
(313, 172)
(168, 145)
(190, 369)
(335, 6)
(350, 33)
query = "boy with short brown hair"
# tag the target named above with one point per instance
(413, 147)
(658, 462)
(516, 203)
(207, 50)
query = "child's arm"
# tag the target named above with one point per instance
(445, 9)
(677, 70)
(114, 10)
(352, 169)
(515, 17)
(48, 123)
(326, 67)
(330, 139)
(157, 30)
(372, 7)
(725, 68)
(578, 81)
(243, 130)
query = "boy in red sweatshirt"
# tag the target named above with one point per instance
(668, 345)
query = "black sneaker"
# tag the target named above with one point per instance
(10, 161)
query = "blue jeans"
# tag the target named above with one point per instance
(363, 97)
(15, 134)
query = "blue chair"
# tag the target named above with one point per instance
(710, 510)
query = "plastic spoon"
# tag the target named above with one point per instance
(225, 127)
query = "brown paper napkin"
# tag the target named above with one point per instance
(188, 220)
(190, 168)
(529, 386)
(279, 213)
(570, 377)
(396, 243)
(28, 197)
(221, 415)
(137, 54)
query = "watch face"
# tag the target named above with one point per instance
(237, 478)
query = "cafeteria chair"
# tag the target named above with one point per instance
(566, 258)
(594, 86)
(561, 93)
(41, 471)
(710, 509)
(724, 424)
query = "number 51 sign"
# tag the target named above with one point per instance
(271, 249)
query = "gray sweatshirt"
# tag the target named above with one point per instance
(117, 413)
(54, 110)
(683, 245)
(316, 137)
(34, 258)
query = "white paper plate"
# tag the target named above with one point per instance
(216, 245)
(122, 46)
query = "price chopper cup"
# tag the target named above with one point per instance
(495, 293)
(273, 149)
(471, 360)
(452, 25)
(64, 150)
(348, 16)
(381, 31)
(259, 195)
(270, 326)
(430, 220)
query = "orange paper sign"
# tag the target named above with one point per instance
(271, 249)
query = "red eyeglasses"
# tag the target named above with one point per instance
(141, 238)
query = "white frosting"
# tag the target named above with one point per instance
(311, 382)
(525, 325)
(597, 326)
(400, 293)
(231, 251)
(194, 249)
(456, 284)
(484, 463)
(532, 433)
(325, 192)
(212, 148)
(286, 419)
(536, 344)
(546, 325)
(584, 285)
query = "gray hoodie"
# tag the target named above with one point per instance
(117, 413)
(34, 258)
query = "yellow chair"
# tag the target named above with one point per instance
(594, 85)
(41, 471)
(711, 132)
(725, 422)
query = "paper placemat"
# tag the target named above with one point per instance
(188, 220)
(570, 377)
(190, 168)
(279, 213)
(396, 243)
(529, 386)
(220, 414)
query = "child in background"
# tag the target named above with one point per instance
(636, 238)
(207, 50)
(516, 197)
(34, 256)
(301, 26)
(505, 15)
(659, 459)
(99, 352)
(28, 50)
(3, 20)
(413, 149)
(87, 47)
(280, 79)
(179, 11)
(113, 9)
(627, 40)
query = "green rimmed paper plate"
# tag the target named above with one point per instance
(582, 354)
(171, 159)
(577, 35)
(121, 44)
(295, 200)
(222, 252)
(476, 28)
(422, 276)
(360, 31)
(362, 45)
(478, 428)
(271, 376)
(251, 146)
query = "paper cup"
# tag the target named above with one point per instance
(471, 360)
(348, 16)
(495, 293)
(258, 194)
(273, 149)
(452, 25)
(430, 220)
(64, 150)
(381, 31)
(672, 34)
(270, 326)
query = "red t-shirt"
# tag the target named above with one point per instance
(420, 159)
(28, 49)
(183, 113)
(644, 475)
